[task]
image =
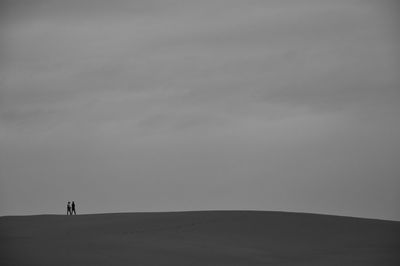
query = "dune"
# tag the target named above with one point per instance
(198, 238)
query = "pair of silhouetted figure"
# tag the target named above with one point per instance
(71, 208)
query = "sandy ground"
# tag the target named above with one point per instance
(198, 238)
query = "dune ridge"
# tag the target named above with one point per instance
(198, 238)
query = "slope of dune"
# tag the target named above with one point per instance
(198, 238)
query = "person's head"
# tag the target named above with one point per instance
(68, 202)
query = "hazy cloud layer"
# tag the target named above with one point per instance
(162, 105)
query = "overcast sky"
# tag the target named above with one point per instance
(155, 105)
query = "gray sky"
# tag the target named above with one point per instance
(155, 105)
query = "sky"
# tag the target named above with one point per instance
(158, 105)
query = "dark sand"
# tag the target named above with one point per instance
(198, 238)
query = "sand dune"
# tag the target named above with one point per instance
(198, 238)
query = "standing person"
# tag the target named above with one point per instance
(73, 208)
(69, 209)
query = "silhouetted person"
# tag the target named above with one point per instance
(73, 208)
(69, 209)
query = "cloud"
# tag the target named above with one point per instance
(176, 66)
(230, 88)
